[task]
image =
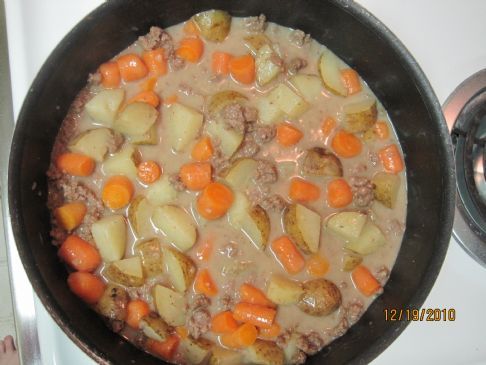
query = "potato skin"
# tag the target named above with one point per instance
(385, 188)
(113, 303)
(350, 261)
(265, 353)
(321, 297)
(219, 100)
(292, 228)
(213, 24)
(320, 162)
(362, 120)
(157, 325)
(260, 217)
(151, 254)
(118, 276)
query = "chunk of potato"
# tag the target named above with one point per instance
(151, 254)
(266, 69)
(309, 86)
(150, 138)
(161, 192)
(196, 351)
(386, 187)
(222, 356)
(256, 41)
(110, 236)
(264, 353)
(214, 25)
(240, 174)
(136, 119)
(170, 305)
(347, 225)
(176, 225)
(154, 327)
(350, 261)
(122, 163)
(229, 139)
(303, 226)
(126, 272)
(269, 111)
(139, 215)
(223, 98)
(180, 268)
(281, 290)
(288, 101)
(360, 116)
(320, 162)
(113, 303)
(370, 240)
(104, 106)
(183, 125)
(95, 142)
(320, 298)
(330, 71)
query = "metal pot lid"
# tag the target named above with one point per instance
(465, 113)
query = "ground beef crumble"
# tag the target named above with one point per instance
(362, 189)
(266, 172)
(159, 38)
(256, 24)
(273, 202)
(199, 320)
(310, 343)
(296, 64)
(177, 183)
(299, 38)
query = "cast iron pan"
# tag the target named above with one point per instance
(357, 37)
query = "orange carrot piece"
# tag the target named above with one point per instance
(288, 135)
(328, 125)
(204, 284)
(136, 309)
(364, 280)
(346, 144)
(196, 175)
(257, 315)
(148, 84)
(155, 61)
(204, 252)
(253, 295)
(70, 215)
(214, 201)
(220, 63)
(190, 28)
(203, 149)
(270, 332)
(117, 192)
(75, 164)
(351, 81)
(243, 69)
(381, 130)
(149, 97)
(79, 254)
(110, 75)
(171, 99)
(223, 322)
(190, 49)
(317, 265)
(339, 193)
(86, 286)
(244, 336)
(391, 159)
(165, 349)
(148, 171)
(288, 255)
(182, 332)
(303, 191)
(131, 67)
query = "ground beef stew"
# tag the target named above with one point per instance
(227, 191)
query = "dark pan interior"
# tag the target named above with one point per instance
(347, 29)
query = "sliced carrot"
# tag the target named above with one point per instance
(214, 201)
(391, 159)
(339, 193)
(190, 49)
(190, 28)
(148, 84)
(258, 315)
(75, 164)
(243, 69)
(317, 265)
(171, 99)
(253, 295)
(381, 130)
(244, 336)
(165, 349)
(328, 125)
(220, 63)
(288, 255)
(196, 175)
(204, 252)
(351, 81)
(136, 310)
(131, 67)
(149, 97)
(288, 135)
(270, 332)
(86, 286)
(148, 171)
(224, 322)
(70, 215)
(117, 192)
(79, 254)
(303, 191)
(182, 332)
(203, 149)
(364, 280)
(155, 61)
(204, 284)
(346, 144)
(110, 75)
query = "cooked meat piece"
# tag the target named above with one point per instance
(248, 147)
(266, 172)
(234, 117)
(116, 142)
(175, 62)
(310, 343)
(256, 24)
(199, 322)
(382, 275)
(229, 250)
(200, 300)
(219, 162)
(353, 311)
(296, 64)
(250, 113)
(226, 302)
(273, 202)
(373, 158)
(283, 338)
(116, 325)
(340, 329)
(359, 169)
(177, 183)
(156, 38)
(94, 78)
(263, 133)
(362, 189)
(299, 38)
(299, 358)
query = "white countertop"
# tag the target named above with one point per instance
(447, 39)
